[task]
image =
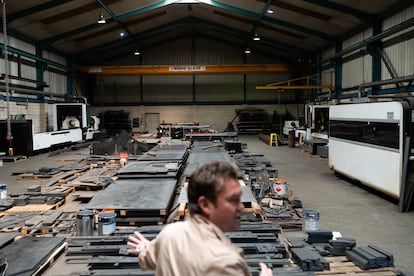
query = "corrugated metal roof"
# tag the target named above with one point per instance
(296, 28)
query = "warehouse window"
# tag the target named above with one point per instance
(374, 133)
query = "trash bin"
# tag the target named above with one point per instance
(291, 138)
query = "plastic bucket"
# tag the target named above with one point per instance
(106, 223)
(279, 186)
(85, 222)
(3, 191)
(310, 220)
(247, 174)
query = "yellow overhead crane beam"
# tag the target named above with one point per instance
(289, 84)
(186, 69)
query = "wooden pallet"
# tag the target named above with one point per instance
(254, 208)
(32, 176)
(62, 178)
(34, 207)
(341, 265)
(139, 221)
(63, 223)
(13, 158)
(84, 186)
(182, 210)
(60, 189)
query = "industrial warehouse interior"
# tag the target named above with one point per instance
(108, 107)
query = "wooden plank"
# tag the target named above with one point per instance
(67, 179)
(34, 208)
(30, 208)
(13, 158)
(342, 266)
(32, 176)
(182, 210)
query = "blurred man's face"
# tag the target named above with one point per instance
(226, 212)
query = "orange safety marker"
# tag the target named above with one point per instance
(123, 158)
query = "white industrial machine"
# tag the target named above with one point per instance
(372, 143)
(317, 120)
(71, 124)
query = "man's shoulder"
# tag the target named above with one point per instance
(174, 228)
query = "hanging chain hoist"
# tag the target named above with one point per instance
(9, 135)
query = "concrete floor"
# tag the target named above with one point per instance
(343, 206)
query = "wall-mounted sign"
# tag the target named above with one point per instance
(187, 68)
(95, 70)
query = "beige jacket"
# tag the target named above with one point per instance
(193, 247)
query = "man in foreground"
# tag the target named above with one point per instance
(198, 246)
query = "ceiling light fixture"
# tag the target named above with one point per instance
(247, 51)
(101, 19)
(137, 53)
(269, 10)
(121, 34)
(256, 37)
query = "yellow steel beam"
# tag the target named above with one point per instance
(276, 87)
(186, 69)
(289, 84)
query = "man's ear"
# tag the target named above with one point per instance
(205, 205)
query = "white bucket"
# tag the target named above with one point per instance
(279, 187)
(3, 191)
(310, 220)
(106, 223)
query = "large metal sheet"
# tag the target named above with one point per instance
(210, 136)
(197, 159)
(149, 169)
(172, 145)
(247, 196)
(25, 255)
(6, 238)
(208, 147)
(148, 175)
(199, 144)
(245, 160)
(167, 155)
(135, 194)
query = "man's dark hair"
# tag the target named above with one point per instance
(208, 181)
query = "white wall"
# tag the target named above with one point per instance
(40, 114)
